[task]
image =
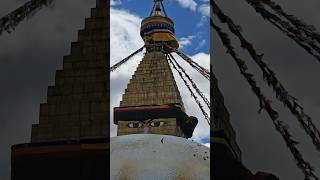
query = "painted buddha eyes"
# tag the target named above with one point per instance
(135, 124)
(156, 124)
(138, 124)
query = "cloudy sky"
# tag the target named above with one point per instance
(125, 20)
(262, 147)
(30, 56)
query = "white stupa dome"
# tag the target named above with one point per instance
(157, 157)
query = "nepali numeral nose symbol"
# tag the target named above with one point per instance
(138, 124)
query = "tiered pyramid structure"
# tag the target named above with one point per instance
(78, 104)
(152, 102)
(71, 139)
(152, 83)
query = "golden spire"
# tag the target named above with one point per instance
(158, 27)
(158, 8)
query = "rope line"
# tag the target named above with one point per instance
(265, 104)
(269, 76)
(164, 10)
(117, 65)
(307, 43)
(9, 22)
(308, 30)
(203, 71)
(195, 65)
(206, 116)
(192, 82)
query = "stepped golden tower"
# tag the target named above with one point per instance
(152, 102)
(153, 127)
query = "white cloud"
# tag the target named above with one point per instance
(191, 4)
(125, 39)
(204, 19)
(201, 44)
(202, 130)
(203, 59)
(186, 41)
(207, 144)
(115, 2)
(124, 36)
(204, 9)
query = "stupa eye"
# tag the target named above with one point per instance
(157, 124)
(135, 124)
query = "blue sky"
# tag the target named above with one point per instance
(191, 20)
(192, 30)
